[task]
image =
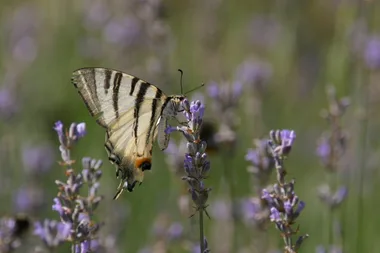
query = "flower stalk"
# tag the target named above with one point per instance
(76, 211)
(331, 147)
(285, 206)
(196, 163)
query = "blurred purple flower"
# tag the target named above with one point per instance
(332, 199)
(126, 31)
(250, 209)
(331, 249)
(252, 156)
(324, 150)
(254, 212)
(372, 53)
(52, 232)
(175, 156)
(12, 229)
(25, 50)
(254, 73)
(225, 93)
(95, 14)
(213, 90)
(8, 105)
(225, 97)
(175, 231)
(259, 157)
(340, 194)
(38, 159)
(29, 199)
(320, 249)
(220, 210)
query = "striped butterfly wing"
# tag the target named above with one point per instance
(129, 109)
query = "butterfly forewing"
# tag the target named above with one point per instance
(107, 92)
(129, 108)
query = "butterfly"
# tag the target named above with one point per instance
(133, 112)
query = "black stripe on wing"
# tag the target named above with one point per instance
(153, 115)
(107, 80)
(139, 100)
(133, 85)
(115, 95)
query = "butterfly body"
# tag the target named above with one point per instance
(133, 112)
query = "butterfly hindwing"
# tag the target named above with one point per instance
(162, 137)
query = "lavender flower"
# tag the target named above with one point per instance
(330, 148)
(52, 233)
(333, 143)
(254, 212)
(226, 99)
(75, 211)
(332, 199)
(196, 164)
(285, 206)
(165, 233)
(68, 139)
(261, 163)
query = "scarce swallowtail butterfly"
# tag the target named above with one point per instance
(133, 112)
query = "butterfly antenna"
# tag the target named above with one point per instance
(196, 88)
(180, 70)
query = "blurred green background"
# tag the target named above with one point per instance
(296, 49)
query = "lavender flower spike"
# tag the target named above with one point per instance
(76, 211)
(285, 206)
(196, 164)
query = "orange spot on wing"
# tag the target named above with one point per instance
(140, 161)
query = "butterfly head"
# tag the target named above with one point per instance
(175, 104)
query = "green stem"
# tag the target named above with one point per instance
(362, 166)
(201, 232)
(230, 180)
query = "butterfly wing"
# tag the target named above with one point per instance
(128, 108)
